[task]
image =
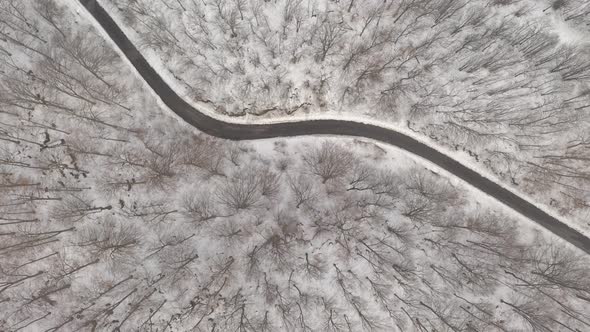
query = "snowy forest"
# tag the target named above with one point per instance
(505, 82)
(117, 216)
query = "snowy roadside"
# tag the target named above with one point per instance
(463, 157)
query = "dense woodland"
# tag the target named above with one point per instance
(114, 216)
(506, 81)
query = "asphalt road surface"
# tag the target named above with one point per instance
(232, 131)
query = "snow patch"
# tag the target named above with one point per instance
(567, 33)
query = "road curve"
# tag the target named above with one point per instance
(233, 131)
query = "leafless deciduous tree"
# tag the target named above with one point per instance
(330, 161)
(77, 207)
(112, 240)
(205, 154)
(241, 190)
(302, 188)
(269, 182)
(201, 206)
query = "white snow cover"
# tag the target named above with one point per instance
(155, 61)
(115, 215)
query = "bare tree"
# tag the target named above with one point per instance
(314, 266)
(329, 36)
(302, 188)
(532, 313)
(76, 207)
(241, 190)
(111, 239)
(205, 154)
(278, 250)
(329, 161)
(269, 182)
(201, 207)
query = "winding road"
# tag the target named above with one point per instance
(234, 131)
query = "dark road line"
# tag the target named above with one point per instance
(233, 131)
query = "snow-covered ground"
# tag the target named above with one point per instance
(115, 215)
(577, 220)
